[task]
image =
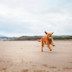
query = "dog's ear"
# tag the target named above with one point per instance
(52, 32)
(45, 32)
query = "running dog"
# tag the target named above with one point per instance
(46, 40)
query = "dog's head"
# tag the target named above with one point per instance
(49, 35)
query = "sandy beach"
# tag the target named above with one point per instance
(25, 56)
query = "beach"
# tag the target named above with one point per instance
(26, 56)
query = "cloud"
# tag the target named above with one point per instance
(32, 17)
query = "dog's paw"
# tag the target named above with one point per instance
(51, 50)
(41, 50)
(53, 45)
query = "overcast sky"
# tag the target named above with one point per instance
(33, 17)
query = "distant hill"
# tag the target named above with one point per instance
(22, 38)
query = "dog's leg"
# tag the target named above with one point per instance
(42, 49)
(52, 43)
(42, 45)
(49, 47)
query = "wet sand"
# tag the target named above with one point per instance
(25, 56)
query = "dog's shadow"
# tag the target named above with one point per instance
(50, 52)
(55, 52)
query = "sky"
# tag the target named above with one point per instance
(33, 17)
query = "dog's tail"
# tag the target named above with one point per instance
(39, 40)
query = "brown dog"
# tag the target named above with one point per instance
(46, 40)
